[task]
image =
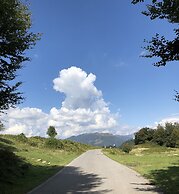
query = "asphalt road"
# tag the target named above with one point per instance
(95, 173)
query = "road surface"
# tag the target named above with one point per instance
(94, 173)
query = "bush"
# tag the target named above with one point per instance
(33, 144)
(126, 148)
(112, 152)
(21, 138)
(53, 143)
(36, 141)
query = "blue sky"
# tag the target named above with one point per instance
(104, 38)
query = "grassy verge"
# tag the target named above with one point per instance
(159, 164)
(25, 163)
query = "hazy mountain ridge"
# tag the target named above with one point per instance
(101, 139)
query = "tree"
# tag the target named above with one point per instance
(171, 134)
(167, 50)
(51, 132)
(143, 135)
(159, 135)
(15, 39)
(174, 139)
(159, 46)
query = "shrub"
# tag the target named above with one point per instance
(53, 143)
(112, 152)
(22, 138)
(36, 141)
(126, 148)
(33, 144)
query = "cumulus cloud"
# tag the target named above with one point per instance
(79, 89)
(82, 111)
(73, 122)
(171, 119)
(30, 121)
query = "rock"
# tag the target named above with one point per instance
(48, 163)
(43, 162)
(38, 160)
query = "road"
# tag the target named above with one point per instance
(94, 173)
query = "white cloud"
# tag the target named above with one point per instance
(79, 89)
(30, 121)
(73, 122)
(83, 110)
(172, 119)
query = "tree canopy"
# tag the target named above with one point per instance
(167, 135)
(15, 39)
(159, 46)
(51, 132)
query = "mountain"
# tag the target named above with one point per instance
(101, 139)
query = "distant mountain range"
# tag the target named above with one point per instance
(101, 139)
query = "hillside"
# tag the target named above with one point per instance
(27, 162)
(101, 139)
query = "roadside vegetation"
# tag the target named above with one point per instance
(159, 164)
(27, 162)
(167, 135)
(154, 153)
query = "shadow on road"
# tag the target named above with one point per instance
(146, 187)
(72, 180)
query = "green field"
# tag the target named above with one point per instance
(25, 163)
(159, 164)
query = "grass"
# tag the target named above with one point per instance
(27, 162)
(159, 164)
